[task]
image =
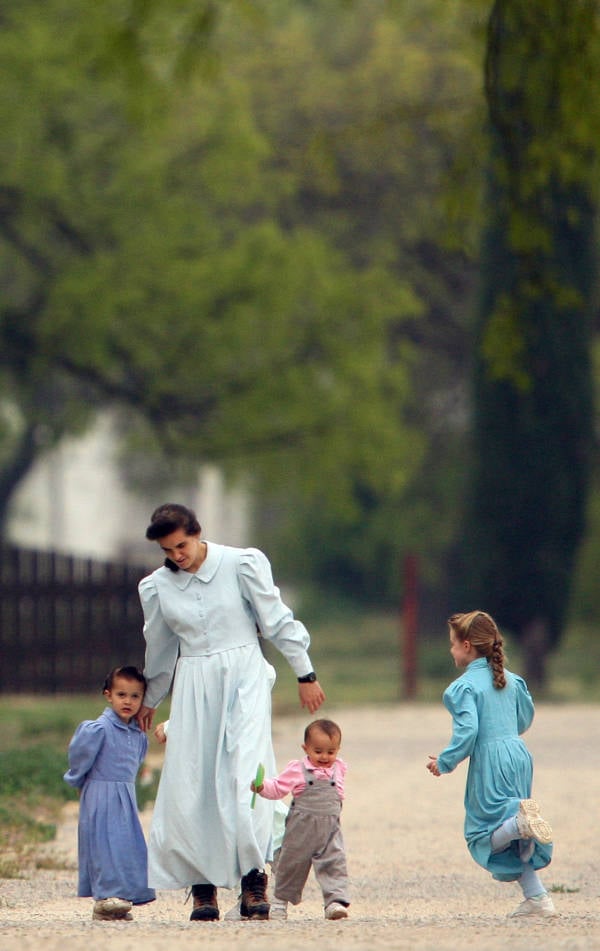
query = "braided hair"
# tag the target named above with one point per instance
(481, 630)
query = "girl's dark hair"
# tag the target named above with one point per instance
(326, 726)
(481, 630)
(168, 518)
(128, 672)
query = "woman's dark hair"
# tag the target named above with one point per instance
(128, 672)
(167, 518)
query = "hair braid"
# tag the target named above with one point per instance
(497, 663)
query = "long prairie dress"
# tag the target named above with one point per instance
(104, 758)
(201, 629)
(487, 724)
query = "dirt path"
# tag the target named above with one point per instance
(414, 884)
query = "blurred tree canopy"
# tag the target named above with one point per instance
(533, 399)
(225, 225)
(257, 228)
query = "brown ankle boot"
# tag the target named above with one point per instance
(205, 903)
(254, 903)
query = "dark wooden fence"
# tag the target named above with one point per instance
(65, 621)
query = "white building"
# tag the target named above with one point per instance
(76, 501)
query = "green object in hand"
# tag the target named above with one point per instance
(258, 781)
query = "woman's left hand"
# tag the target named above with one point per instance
(145, 717)
(311, 696)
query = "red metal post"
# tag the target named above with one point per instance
(409, 627)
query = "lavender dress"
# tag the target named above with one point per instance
(104, 758)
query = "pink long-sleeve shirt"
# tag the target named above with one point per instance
(291, 779)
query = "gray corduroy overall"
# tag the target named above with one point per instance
(313, 836)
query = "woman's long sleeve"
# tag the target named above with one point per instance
(162, 646)
(274, 618)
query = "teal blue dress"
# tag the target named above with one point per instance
(487, 724)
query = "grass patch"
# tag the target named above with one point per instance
(38, 768)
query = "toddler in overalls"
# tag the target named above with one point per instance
(313, 835)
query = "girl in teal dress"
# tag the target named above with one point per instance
(490, 709)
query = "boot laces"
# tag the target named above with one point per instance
(255, 884)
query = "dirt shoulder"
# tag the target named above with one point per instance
(414, 884)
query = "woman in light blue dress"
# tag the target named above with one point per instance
(104, 759)
(490, 709)
(202, 611)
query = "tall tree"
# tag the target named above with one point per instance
(533, 422)
(369, 131)
(144, 261)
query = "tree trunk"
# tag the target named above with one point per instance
(535, 640)
(16, 468)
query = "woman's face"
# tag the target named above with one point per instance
(187, 551)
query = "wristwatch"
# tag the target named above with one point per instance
(308, 678)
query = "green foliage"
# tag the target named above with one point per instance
(244, 236)
(532, 383)
(363, 134)
(36, 769)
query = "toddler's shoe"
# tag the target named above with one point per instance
(234, 914)
(278, 911)
(530, 823)
(112, 909)
(335, 911)
(541, 905)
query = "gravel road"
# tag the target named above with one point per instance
(414, 884)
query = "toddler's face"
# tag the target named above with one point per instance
(125, 697)
(321, 749)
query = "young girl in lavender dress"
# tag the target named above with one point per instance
(490, 709)
(104, 758)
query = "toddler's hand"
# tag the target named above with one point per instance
(432, 766)
(255, 788)
(160, 734)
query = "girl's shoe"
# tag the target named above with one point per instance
(335, 911)
(541, 905)
(112, 909)
(530, 823)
